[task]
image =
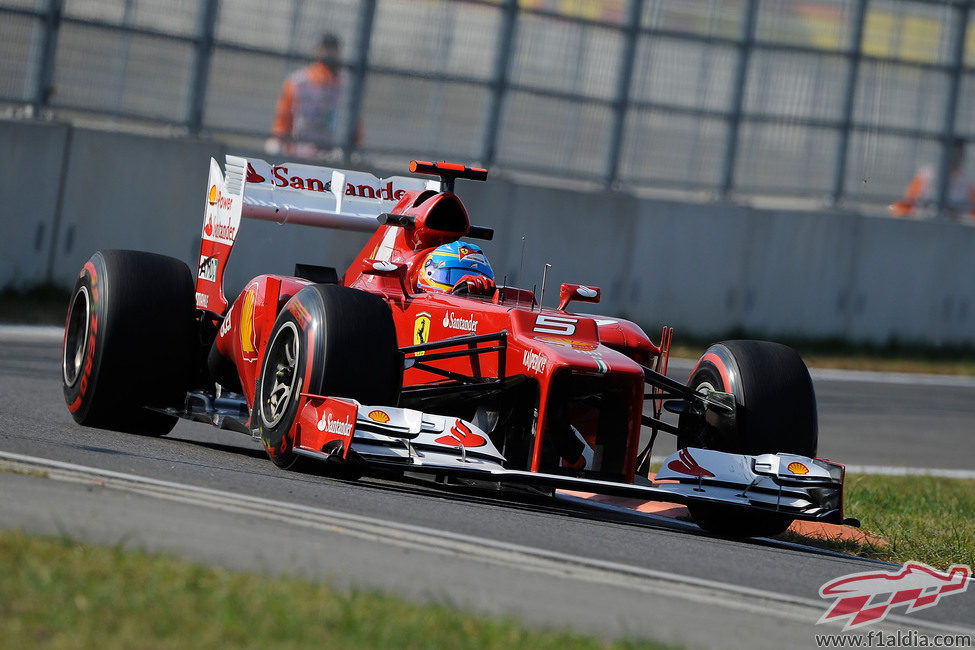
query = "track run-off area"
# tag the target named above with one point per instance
(212, 496)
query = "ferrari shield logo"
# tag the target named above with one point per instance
(421, 329)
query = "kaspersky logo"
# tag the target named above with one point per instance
(866, 598)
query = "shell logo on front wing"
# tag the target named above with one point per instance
(798, 468)
(379, 416)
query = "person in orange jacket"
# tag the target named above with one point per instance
(920, 196)
(306, 121)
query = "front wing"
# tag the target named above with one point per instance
(408, 440)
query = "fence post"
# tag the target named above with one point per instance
(623, 82)
(499, 81)
(852, 74)
(44, 72)
(201, 66)
(367, 17)
(738, 98)
(959, 27)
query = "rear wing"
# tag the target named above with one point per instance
(286, 193)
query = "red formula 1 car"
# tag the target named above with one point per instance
(463, 381)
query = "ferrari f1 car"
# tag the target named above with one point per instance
(363, 371)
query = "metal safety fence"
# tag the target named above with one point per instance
(838, 99)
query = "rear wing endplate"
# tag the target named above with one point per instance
(286, 193)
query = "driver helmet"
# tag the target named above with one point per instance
(447, 264)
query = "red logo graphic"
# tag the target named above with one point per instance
(253, 176)
(687, 465)
(208, 228)
(461, 434)
(868, 597)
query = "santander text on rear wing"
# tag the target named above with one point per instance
(286, 193)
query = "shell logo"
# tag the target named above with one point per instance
(247, 324)
(798, 468)
(212, 195)
(379, 416)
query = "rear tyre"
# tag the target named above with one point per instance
(328, 340)
(128, 343)
(775, 412)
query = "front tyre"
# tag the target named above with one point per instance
(328, 340)
(128, 341)
(775, 412)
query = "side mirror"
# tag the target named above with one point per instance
(577, 292)
(385, 269)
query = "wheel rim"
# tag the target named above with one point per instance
(280, 374)
(76, 337)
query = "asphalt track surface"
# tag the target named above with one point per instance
(212, 496)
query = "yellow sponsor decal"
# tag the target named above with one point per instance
(247, 324)
(379, 416)
(798, 468)
(421, 329)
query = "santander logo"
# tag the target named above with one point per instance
(461, 434)
(685, 464)
(468, 324)
(338, 427)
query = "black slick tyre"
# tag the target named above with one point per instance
(129, 341)
(328, 340)
(775, 412)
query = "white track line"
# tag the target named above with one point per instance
(884, 470)
(865, 376)
(31, 333)
(538, 560)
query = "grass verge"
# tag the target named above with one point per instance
(63, 594)
(924, 518)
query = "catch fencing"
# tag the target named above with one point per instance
(840, 100)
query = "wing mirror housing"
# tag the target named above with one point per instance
(384, 269)
(577, 292)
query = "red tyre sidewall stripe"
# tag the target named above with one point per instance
(718, 364)
(91, 343)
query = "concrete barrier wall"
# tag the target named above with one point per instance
(32, 158)
(703, 268)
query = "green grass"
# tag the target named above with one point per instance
(921, 518)
(63, 594)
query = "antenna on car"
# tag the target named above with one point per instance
(544, 278)
(521, 271)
